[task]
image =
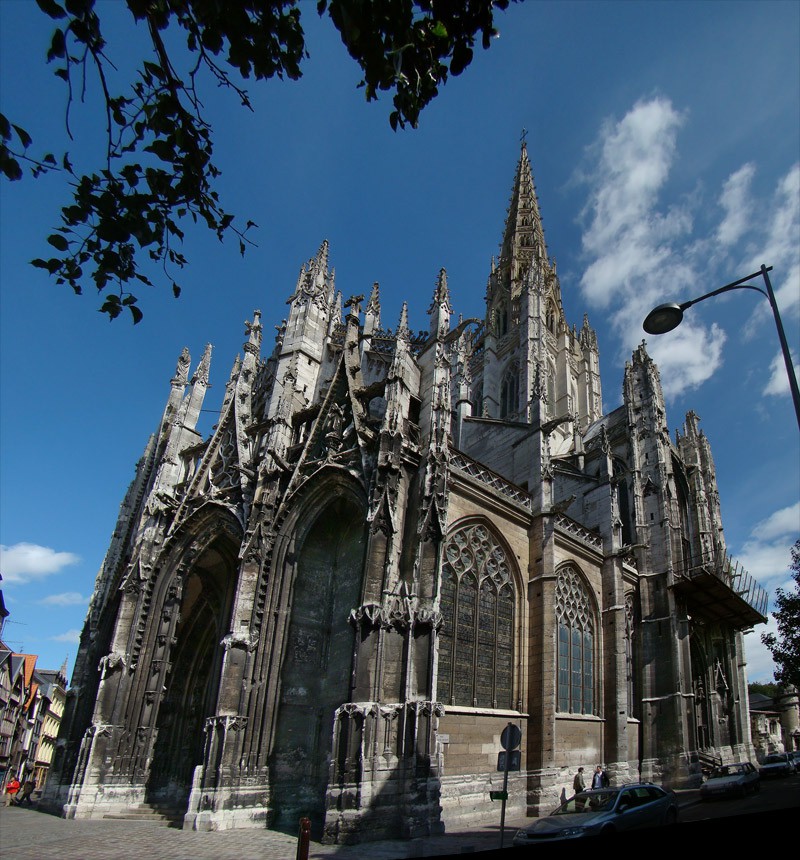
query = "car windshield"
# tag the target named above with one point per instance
(729, 770)
(588, 801)
(775, 759)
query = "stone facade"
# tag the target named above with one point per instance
(392, 546)
(775, 722)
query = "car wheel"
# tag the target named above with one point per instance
(608, 830)
(672, 816)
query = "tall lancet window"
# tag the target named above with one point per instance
(550, 318)
(476, 640)
(509, 391)
(575, 630)
(629, 620)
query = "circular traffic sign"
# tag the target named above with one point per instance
(510, 738)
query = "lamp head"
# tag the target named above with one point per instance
(664, 318)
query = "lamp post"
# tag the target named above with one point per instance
(666, 317)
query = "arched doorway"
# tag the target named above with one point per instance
(317, 663)
(193, 684)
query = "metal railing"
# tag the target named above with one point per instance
(730, 572)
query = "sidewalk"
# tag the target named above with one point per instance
(27, 834)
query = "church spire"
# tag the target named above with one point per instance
(403, 331)
(372, 315)
(440, 309)
(523, 237)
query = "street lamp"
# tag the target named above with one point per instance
(666, 317)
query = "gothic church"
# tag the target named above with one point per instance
(393, 545)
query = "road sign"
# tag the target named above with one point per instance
(510, 738)
(513, 762)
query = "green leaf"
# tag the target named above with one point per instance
(10, 167)
(439, 30)
(50, 8)
(154, 69)
(58, 46)
(58, 242)
(24, 138)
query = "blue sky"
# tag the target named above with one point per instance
(664, 138)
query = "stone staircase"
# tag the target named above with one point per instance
(165, 814)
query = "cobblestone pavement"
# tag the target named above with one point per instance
(30, 835)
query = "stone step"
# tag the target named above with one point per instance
(166, 815)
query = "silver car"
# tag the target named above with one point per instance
(603, 811)
(731, 779)
(777, 764)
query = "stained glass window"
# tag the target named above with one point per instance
(575, 682)
(476, 646)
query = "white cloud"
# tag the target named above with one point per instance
(760, 665)
(782, 523)
(780, 248)
(766, 554)
(736, 206)
(67, 598)
(73, 637)
(24, 562)
(640, 252)
(689, 357)
(633, 248)
(778, 384)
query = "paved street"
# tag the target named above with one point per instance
(30, 835)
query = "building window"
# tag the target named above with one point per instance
(550, 318)
(576, 676)
(509, 391)
(476, 640)
(629, 621)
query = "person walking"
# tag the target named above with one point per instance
(25, 794)
(599, 778)
(12, 787)
(579, 785)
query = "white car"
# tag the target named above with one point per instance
(731, 779)
(777, 764)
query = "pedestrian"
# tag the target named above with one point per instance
(25, 794)
(600, 778)
(12, 787)
(578, 786)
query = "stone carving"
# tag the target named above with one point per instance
(474, 469)
(476, 550)
(564, 523)
(111, 662)
(572, 601)
(305, 647)
(228, 722)
(247, 641)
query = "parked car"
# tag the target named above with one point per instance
(776, 764)
(737, 779)
(795, 757)
(603, 811)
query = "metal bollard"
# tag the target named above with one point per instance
(304, 839)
